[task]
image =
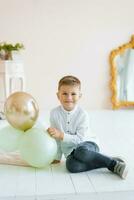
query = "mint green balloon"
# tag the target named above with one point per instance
(37, 147)
(10, 138)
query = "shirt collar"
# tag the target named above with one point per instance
(69, 112)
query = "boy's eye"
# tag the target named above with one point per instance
(73, 94)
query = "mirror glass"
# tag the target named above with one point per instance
(122, 75)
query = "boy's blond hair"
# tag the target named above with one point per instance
(69, 80)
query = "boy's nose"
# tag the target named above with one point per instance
(69, 97)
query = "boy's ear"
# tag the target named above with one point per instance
(57, 95)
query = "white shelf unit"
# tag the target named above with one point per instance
(12, 78)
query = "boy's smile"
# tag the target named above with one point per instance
(68, 96)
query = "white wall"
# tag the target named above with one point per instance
(64, 37)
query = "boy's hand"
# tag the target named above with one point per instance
(55, 162)
(55, 133)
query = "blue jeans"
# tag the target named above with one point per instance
(87, 157)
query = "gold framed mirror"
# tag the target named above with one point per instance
(122, 75)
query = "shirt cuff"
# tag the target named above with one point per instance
(67, 138)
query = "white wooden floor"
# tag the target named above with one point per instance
(56, 183)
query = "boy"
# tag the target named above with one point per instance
(69, 126)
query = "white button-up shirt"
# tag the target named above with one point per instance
(75, 126)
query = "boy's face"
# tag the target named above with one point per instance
(68, 96)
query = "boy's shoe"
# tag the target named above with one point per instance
(120, 167)
(120, 159)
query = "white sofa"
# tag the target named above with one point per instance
(115, 130)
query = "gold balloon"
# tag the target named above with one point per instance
(21, 110)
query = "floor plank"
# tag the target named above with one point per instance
(81, 182)
(8, 180)
(26, 184)
(44, 181)
(62, 183)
